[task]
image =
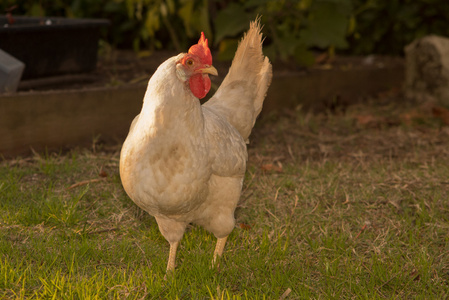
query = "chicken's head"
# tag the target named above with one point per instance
(195, 66)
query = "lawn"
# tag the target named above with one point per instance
(350, 203)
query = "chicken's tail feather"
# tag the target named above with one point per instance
(241, 95)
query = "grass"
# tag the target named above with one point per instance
(333, 207)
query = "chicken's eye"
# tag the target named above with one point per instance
(189, 62)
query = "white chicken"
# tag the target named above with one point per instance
(184, 162)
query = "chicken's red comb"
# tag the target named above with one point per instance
(202, 50)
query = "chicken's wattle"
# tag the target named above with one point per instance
(199, 85)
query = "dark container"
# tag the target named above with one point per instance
(50, 45)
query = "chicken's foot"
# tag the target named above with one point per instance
(172, 257)
(219, 249)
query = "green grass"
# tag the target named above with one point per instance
(351, 211)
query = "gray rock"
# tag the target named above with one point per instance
(11, 71)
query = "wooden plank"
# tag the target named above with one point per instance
(58, 119)
(318, 89)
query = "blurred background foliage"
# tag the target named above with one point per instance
(294, 29)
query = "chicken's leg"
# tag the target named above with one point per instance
(172, 257)
(219, 249)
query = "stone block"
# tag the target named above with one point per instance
(11, 70)
(427, 69)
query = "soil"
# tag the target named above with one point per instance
(382, 128)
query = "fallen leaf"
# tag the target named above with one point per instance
(441, 113)
(103, 173)
(413, 115)
(245, 226)
(271, 167)
(365, 120)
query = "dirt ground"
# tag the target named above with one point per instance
(383, 127)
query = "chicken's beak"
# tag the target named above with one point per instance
(209, 70)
